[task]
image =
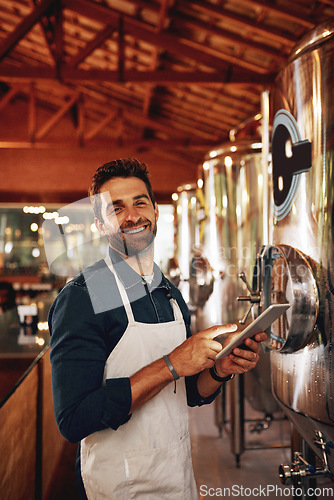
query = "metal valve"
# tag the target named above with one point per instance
(254, 297)
(301, 469)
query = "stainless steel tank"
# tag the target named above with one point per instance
(217, 237)
(231, 234)
(189, 269)
(299, 265)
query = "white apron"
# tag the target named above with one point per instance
(149, 457)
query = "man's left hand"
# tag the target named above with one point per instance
(241, 360)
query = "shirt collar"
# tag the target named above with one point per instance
(129, 277)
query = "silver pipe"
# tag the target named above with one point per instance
(265, 163)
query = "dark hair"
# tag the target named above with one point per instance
(125, 167)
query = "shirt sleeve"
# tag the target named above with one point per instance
(82, 403)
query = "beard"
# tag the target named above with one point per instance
(131, 240)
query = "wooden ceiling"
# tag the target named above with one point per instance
(169, 76)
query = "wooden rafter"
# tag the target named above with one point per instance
(9, 96)
(239, 41)
(213, 10)
(43, 131)
(166, 41)
(27, 73)
(98, 40)
(24, 27)
(185, 57)
(32, 112)
(290, 14)
(101, 125)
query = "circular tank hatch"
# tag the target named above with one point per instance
(284, 274)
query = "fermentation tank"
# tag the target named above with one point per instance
(299, 267)
(189, 269)
(217, 236)
(230, 219)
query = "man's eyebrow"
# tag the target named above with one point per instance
(141, 196)
(119, 202)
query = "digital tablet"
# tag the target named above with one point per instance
(260, 324)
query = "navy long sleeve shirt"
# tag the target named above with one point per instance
(86, 321)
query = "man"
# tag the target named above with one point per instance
(124, 362)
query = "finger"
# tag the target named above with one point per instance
(243, 354)
(215, 346)
(252, 344)
(212, 332)
(260, 337)
(241, 365)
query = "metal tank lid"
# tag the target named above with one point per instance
(240, 146)
(313, 39)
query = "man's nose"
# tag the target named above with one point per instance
(132, 214)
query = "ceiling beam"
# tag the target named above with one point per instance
(32, 112)
(289, 14)
(217, 11)
(28, 73)
(167, 41)
(24, 26)
(101, 124)
(196, 145)
(56, 117)
(9, 96)
(57, 14)
(47, 32)
(100, 38)
(228, 36)
(149, 91)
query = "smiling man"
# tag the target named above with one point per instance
(125, 364)
(127, 216)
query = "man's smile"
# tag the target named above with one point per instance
(134, 230)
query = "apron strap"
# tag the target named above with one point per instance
(176, 310)
(122, 291)
(128, 309)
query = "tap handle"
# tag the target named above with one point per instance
(242, 276)
(243, 320)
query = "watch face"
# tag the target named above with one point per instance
(291, 156)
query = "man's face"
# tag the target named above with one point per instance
(129, 217)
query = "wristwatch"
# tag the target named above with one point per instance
(215, 376)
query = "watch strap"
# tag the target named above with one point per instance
(215, 376)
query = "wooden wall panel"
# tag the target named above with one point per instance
(11, 370)
(52, 441)
(18, 422)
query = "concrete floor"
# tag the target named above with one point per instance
(215, 464)
(217, 472)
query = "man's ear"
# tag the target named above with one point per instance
(156, 210)
(100, 226)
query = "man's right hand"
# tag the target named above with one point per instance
(198, 351)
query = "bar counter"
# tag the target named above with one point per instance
(31, 443)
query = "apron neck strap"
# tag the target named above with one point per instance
(128, 309)
(176, 310)
(121, 289)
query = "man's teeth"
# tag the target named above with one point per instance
(133, 231)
